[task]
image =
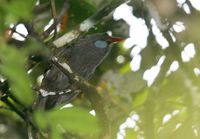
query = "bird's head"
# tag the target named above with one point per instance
(103, 40)
(93, 49)
(100, 42)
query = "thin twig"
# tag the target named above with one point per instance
(38, 9)
(7, 98)
(53, 12)
(7, 102)
(56, 21)
(23, 115)
(6, 93)
(29, 130)
(88, 23)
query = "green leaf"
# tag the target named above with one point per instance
(139, 98)
(18, 9)
(79, 10)
(39, 118)
(13, 68)
(126, 68)
(75, 120)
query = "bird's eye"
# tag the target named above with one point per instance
(101, 44)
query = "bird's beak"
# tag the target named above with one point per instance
(116, 39)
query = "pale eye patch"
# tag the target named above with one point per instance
(101, 44)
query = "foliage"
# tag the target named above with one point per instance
(72, 120)
(126, 105)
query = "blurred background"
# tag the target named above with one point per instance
(150, 81)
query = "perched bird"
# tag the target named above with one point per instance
(82, 57)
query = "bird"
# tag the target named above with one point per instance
(83, 57)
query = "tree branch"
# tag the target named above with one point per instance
(6, 96)
(91, 93)
(88, 23)
(53, 12)
(56, 19)
(7, 102)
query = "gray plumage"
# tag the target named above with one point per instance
(83, 58)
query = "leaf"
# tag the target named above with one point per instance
(12, 9)
(79, 10)
(75, 120)
(139, 98)
(126, 68)
(13, 68)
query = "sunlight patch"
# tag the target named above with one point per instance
(178, 26)
(67, 106)
(161, 40)
(173, 67)
(151, 74)
(186, 8)
(180, 1)
(172, 36)
(188, 53)
(131, 122)
(48, 25)
(138, 29)
(166, 118)
(92, 112)
(22, 29)
(21, 32)
(135, 51)
(120, 59)
(178, 125)
(195, 4)
(135, 63)
(138, 33)
(196, 71)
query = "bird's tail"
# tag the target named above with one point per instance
(53, 99)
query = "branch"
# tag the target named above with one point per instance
(6, 96)
(53, 12)
(38, 9)
(56, 19)
(24, 115)
(90, 91)
(88, 23)
(8, 103)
